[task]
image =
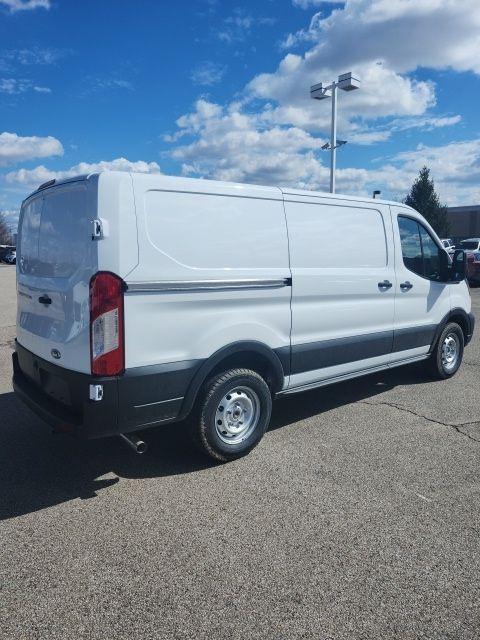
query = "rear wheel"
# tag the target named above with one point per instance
(232, 414)
(447, 355)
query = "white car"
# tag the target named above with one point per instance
(471, 244)
(449, 246)
(10, 257)
(143, 299)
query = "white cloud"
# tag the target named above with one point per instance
(236, 27)
(403, 34)
(25, 5)
(455, 168)
(384, 92)
(207, 73)
(383, 41)
(40, 174)
(306, 4)
(32, 56)
(273, 131)
(232, 145)
(15, 148)
(365, 136)
(105, 83)
(454, 165)
(310, 34)
(15, 86)
(427, 123)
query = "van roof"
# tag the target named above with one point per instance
(200, 184)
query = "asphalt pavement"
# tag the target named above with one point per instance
(358, 516)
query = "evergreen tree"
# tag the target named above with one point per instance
(5, 235)
(423, 198)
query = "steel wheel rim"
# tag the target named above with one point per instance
(450, 351)
(237, 415)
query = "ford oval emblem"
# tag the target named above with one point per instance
(56, 354)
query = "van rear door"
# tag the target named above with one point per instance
(56, 259)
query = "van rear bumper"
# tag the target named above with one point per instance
(142, 397)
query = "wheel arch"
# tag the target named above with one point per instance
(247, 354)
(462, 318)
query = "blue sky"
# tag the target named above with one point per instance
(216, 89)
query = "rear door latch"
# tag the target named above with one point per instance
(97, 229)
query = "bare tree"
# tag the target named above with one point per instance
(5, 235)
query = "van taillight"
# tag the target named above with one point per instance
(107, 347)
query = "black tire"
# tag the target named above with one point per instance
(439, 369)
(251, 390)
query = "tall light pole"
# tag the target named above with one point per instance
(346, 82)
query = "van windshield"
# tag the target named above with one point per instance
(53, 232)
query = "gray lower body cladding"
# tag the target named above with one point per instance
(141, 398)
(149, 396)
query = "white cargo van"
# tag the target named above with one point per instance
(144, 299)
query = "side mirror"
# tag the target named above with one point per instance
(458, 270)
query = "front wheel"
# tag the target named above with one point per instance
(447, 355)
(232, 414)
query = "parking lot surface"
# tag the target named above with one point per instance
(358, 516)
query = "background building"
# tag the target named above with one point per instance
(465, 222)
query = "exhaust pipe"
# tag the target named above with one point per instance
(139, 446)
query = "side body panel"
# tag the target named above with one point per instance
(342, 320)
(460, 296)
(213, 271)
(420, 309)
(118, 248)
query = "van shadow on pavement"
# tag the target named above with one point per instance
(39, 470)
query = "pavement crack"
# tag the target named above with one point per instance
(456, 427)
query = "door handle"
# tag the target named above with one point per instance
(386, 284)
(45, 299)
(406, 286)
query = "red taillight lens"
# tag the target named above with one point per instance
(107, 348)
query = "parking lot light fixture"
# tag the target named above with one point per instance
(319, 91)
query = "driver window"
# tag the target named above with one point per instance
(411, 245)
(421, 254)
(431, 255)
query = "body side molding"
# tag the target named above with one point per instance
(412, 337)
(328, 353)
(191, 286)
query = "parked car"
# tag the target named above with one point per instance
(10, 257)
(473, 267)
(207, 299)
(472, 244)
(449, 246)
